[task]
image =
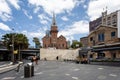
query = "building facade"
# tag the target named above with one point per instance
(104, 37)
(105, 43)
(93, 24)
(112, 19)
(84, 41)
(51, 39)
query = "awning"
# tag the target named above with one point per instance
(32, 51)
(4, 50)
(105, 49)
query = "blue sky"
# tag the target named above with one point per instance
(34, 17)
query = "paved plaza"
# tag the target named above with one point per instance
(57, 70)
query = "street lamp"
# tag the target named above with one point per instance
(12, 46)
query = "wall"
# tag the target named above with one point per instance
(118, 24)
(51, 54)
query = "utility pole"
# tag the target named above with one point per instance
(19, 56)
(13, 46)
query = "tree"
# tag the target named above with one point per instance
(37, 42)
(76, 45)
(20, 40)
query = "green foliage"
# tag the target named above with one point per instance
(20, 40)
(76, 45)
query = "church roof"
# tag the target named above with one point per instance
(46, 37)
(61, 36)
(53, 20)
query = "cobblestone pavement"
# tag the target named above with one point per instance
(55, 70)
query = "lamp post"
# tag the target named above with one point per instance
(13, 46)
(19, 56)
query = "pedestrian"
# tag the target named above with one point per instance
(45, 59)
(36, 61)
(32, 60)
(57, 58)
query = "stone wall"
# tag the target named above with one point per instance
(51, 54)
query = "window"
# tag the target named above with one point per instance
(91, 38)
(101, 55)
(114, 19)
(91, 56)
(108, 22)
(113, 55)
(112, 34)
(101, 37)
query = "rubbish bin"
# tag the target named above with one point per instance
(28, 70)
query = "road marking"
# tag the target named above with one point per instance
(76, 69)
(36, 69)
(39, 73)
(76, 78)
(67, 74)
(52, 74)
(22, 77)
(8, 78)
(113, 75)
(100, 68)
(101, 77)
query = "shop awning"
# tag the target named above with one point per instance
(105, 49)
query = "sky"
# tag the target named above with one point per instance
(34, 17)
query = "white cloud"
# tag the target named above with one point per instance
(4, 7)
(43, 18)
(4, 27)
(80, 27)
(43, 22)
(57, 6)
(5, 16)
(36, 9)
(26, 13)
(64, 18)
(70, 38)
(36, 34)
(30, 35)
(95, 7)
(15, 3)
(33, 34)
(5, 10)
(84, 6)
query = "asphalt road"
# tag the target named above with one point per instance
(56, 70)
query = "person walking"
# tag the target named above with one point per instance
(36, 61)
(32, 60)
(35, 58)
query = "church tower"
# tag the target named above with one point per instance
(54, 32)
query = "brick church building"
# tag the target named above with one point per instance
(51, 40)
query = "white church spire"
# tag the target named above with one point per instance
(53, 20)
